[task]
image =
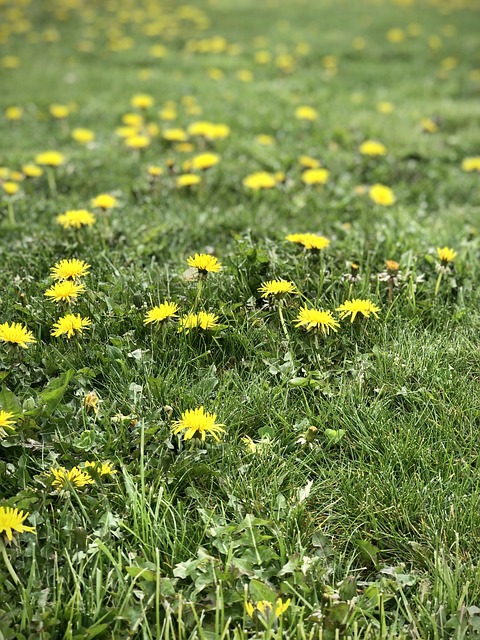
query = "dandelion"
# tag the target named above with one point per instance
(154, 171)
(357, 306)
(162, 312)
(12, 520)
(91, 401)
(471, 164)
(204, 263)
(265, 140)
(66, 479)
(310, 241)
(259, 180)
(13, 113)
(317, 320)
(202, 320)
(175, 135)
(70, 269)
(102, 468)
(372, 148)
(142, 101)
(446, 255)
(64, 291)
(6, 421)
(277, 288)
(198, 423)
(315, 176)
(104, 201)
(428, 125)
(187, 180)
(205, 161)
(137, 142)
(391, 276)
(83, 136)
(382, 195)
(308, 162)
(76, 218)
(69, 325)
(385, 107)
(10, 188)
(15, 333)
(50, 159)
(32, 171)
(306, 113)
(59, 111)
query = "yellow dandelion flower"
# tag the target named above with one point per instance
(175, 135)
(306, 113)
(67, 479)
(392, 266)
(12, 520)
(385, 107)
(59, 111)
(313, 242)
(308, 162)
(471, 164)
(137, 142)
(205, 161)
(382, 195)
(10, 188)
(316, 319)
(204, 263)
(446, 254)
(64, 291)
(198, 423)
(69, 325)
(265, 140)
(372, 148)
(15, 333)
(13, 113)
(50, 159)
(91, 401)
(83, 136)
(32, 171)
(277, 288)
(428, 125)
(266, 608)
(207, 321)
(76, 218)
(142, 101)
(154, 171)
(6, 420)
(162, 312)
(10, 62)
(73, 269)
(357, 306)
(102, 468)
(187, 180)
(315, 176)
(104, 201)
(259, 180)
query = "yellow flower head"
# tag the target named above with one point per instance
(382, 195)
(91, 401)
(70, 324)
(265, 140)
(175, 135)
(385, 107)
(142, 101)
(187, 180)
(12, 520)
(59, 111)
(204, 263)
(429, 125)
(76, 218)
(70, 269)
(446, 254)
(154, 171)
(50, 158)
(83, 136)
(277, 288)
(65, 479)
(161, 313)
(64, 291)
(315, 176)
(308, 162)
(15, 333)
(137, 141)
(209, 130)
(309, 240)
(205, 161)
(104, 201)
(6, 420)
(201, 320)
(266, 609)
(14, 113)
(102, 468)
(372, 148)
(10, 188)
(306, 113)
(353, 307)
(32, 171)
(317, 320)
(259, 180)
(392, 266)
(471, 164)
(198, 423)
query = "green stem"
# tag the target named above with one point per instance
(11, 213)
(199, 291)
(439, 281)
(8, 564)
(282, 321)
(52, 185)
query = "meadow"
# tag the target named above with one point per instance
(239, 318)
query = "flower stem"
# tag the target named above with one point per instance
(8, 564)
(199, 291)
(52, 185)
(439, 281)
(11, 213)
(282, 322)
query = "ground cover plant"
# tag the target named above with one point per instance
(239, 319)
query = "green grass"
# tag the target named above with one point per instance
(368, 521)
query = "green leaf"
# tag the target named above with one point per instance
(53, 393)
(260, 591)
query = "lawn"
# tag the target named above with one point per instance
(239, 319)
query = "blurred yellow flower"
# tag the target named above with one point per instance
(142, 101)
(10, 188)
(76, 218)
(59, 111)
(306, 113)
(259, 180)
(32, 171)
(50, 158)
(471, 164)
(104, 201)
(380, 194)
(14, 113)
(372, 148)
(83, 136)
(187, 180)
(315, 176)
(446, 254)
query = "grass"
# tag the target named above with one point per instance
(358, 495)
